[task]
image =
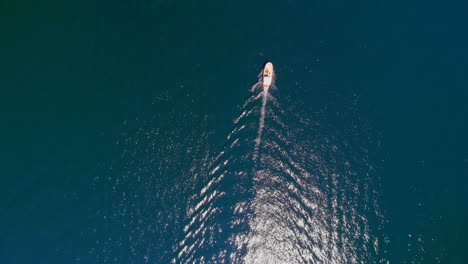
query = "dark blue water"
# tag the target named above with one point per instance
(130, 133)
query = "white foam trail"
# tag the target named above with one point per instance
(261, 124)
(251, 99)
(255, 86)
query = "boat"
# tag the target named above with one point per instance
(268, 75)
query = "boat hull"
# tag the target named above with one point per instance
(268, 74)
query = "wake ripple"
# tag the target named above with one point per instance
(300, 192)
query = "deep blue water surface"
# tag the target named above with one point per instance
(130, 134)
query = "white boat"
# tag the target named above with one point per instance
(268, 75)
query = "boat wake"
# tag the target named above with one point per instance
(284, 186)
(221, 210)
(307, 195)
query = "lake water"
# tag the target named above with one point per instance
(130, 133)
